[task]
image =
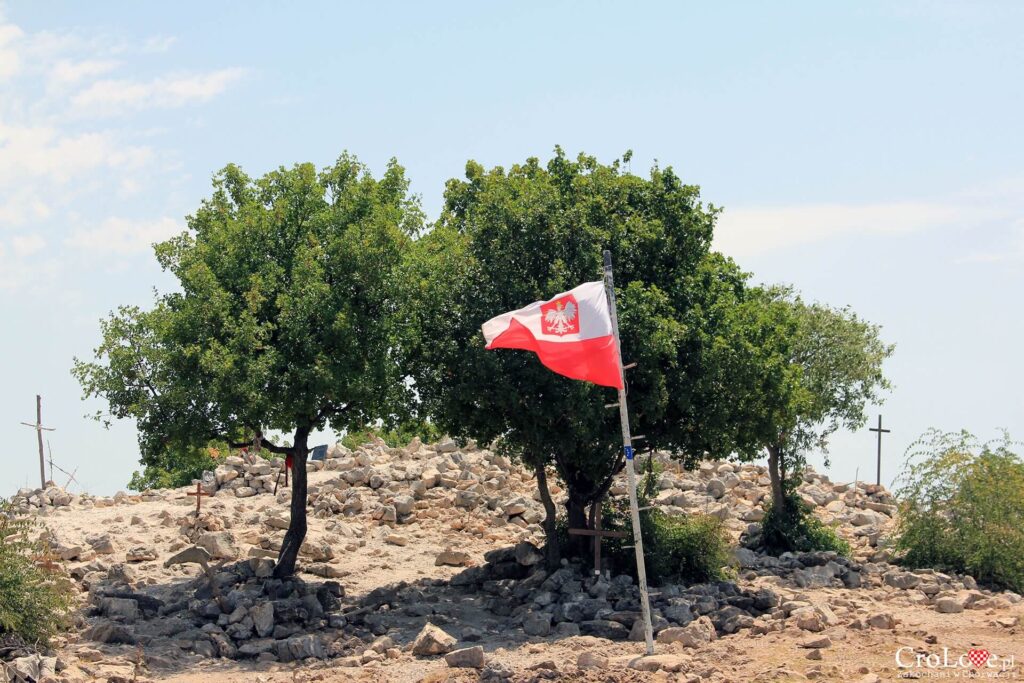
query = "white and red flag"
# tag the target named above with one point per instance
(570, 333)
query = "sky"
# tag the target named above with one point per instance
(868, 153)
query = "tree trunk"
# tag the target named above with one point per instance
(777, 473)
(296, 533)
(552, 551)
(576, 513)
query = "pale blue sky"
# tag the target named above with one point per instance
(869, 153)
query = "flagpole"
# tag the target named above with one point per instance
(627, 447)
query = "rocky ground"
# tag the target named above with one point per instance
(421, 564)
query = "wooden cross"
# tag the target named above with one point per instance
(199, 493)
(38, 426)
(878, 478)
(598, 534)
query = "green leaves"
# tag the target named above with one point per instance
(507, 238)
(962, 508)
(284, 314)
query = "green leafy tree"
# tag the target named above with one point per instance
(807, 370)
(281, 322)
(175, 467)
(507, 238)
(962, 508)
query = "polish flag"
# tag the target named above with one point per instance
(571, 334)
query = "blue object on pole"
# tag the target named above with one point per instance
(629, 452)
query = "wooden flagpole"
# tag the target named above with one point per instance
(627, 446)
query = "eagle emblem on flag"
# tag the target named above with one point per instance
(560, 317)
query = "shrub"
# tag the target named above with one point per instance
(691, 548)
(793, 527)
(962, 508)
(396, 437)
(35, 594)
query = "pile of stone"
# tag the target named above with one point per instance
(52, 496)
(735, 494)
(397, 484)
(235, 611)
(571, 601)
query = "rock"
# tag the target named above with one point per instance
(32, 668)
(537, 623)
(666, 662)
(467, 499)
(108, 632)
(220, 544)
(304, 647)
(140, 554)
(604, 628)
(814, 617)
(566, 629)
(527, 554)
(592, 660)
(901, 580)
(716, 488)
(452, 558)
(396, 539)
(1008, 622)
(863, 518)
(816, 577)
(245, 492)
(120, 608)
(694, 634)
(193, 555)
(403, 504)
(263, 618)
(432, 641)
(517, 506)
(817, 642)
(446, 445)
(470, 657)
(102, 545)
(882, 620)
(949, 605)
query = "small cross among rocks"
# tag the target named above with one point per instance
(598, 533)
(199, 494)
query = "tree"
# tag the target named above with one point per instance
(505, 239)
(281, 322)
(812, 370)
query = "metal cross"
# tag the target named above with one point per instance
(878, 478)
(199, 493)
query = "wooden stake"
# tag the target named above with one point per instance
(38, 426)
(199, 493)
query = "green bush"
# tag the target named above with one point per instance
(689, 549)
(176, 467)
(962, 508)
(794, 528)
(35, 594)
(395, 438)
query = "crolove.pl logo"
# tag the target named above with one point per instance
(974, 663)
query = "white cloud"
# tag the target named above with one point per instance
(124, 236)
(21, 207)
(10, 60)
(743, 231)
(67, 72)
(115, 96)
(44, 152)
(26, 245)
